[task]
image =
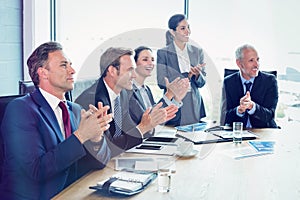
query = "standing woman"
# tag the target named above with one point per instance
(179, 58)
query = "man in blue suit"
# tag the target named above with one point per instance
(251, 96)
(44, 153)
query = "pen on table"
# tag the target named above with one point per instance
(216, 135)
(187, 139)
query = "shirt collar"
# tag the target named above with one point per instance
(111, 93)
(137, 85)
(178, 50)
(51, 99)
(246, 81)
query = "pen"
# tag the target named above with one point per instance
(180, 136)
(217, 135)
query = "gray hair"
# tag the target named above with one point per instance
(239, 53)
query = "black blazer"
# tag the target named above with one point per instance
(131, 136)
(264, 93)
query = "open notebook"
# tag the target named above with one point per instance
(125, 182)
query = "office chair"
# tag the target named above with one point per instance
(4, 100)
(28, 87)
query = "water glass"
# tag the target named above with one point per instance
(164, 172)
(237, 132)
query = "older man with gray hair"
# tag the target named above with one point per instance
(251, 95)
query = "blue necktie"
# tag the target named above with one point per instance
(248, 86)
(117, 117)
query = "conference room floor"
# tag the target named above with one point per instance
(214, 173)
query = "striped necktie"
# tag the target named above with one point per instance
(145, 97)
(117, 117)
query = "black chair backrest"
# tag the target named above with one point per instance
(4, 100)
(231, 71)
(28, 87)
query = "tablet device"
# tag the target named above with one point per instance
(149, 147)
(161, 139)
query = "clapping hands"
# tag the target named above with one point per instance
(93, 123)
(245, 103)
(196, 70)
(177, 88)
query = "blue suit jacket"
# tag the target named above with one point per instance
(39, 163)
(167, 66)
(137, 106)
(264, 93)
(130, 136)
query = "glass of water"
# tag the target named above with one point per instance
(164, 173)
(237, 132)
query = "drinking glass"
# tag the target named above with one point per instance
(237, 132)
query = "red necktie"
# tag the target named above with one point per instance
(66, 119)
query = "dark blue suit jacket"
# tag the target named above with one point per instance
(137, 106)
(264, 93)
(130, 136)
(39, 163)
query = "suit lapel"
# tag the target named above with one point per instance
(192, 55)
(74, 125)
(102, 95)
(47, 113)
(240, 86)
(256, 90)
(138, 96)
(172, 57)
(150, 95)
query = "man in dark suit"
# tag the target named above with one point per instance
(50, 142)
(117, 69)
(251, 96)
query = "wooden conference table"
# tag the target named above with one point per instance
(213, 174)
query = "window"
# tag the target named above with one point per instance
(219, 30)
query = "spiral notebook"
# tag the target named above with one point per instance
(125, 182)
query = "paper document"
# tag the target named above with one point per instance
(254, 148)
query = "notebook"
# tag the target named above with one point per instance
(201, 137)
(125, 182)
